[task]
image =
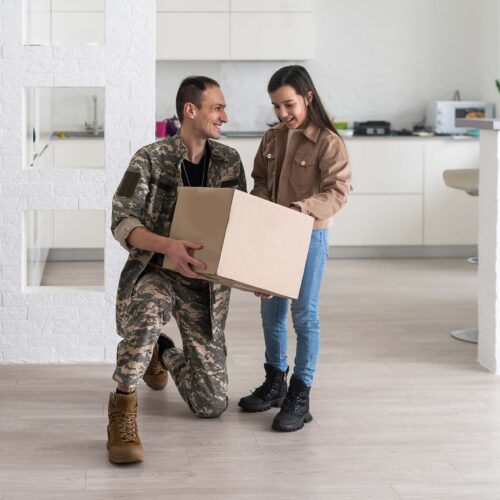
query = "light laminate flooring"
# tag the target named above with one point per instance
(401, 410)
(73, 273)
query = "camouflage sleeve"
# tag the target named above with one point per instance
(129, 200)
(242, 181)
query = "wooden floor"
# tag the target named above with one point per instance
(73, 273)
(401, 410)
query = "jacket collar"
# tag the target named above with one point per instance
(180, 149)
(215, 149)
(311, 130)
(218, 159)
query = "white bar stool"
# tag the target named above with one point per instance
(467, 180)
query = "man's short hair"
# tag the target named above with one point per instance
(191, 90)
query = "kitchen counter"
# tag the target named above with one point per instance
(253, 134)
(76, 136)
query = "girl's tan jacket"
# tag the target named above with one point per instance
(312, 174)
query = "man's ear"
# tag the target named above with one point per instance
(189, 110)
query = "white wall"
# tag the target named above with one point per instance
(375, 60)
(489, 50)
(60, 325)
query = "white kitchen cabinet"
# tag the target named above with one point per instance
(387, 166)
(74, 153)
(451, 215)
(78, 229)
(389, 219)
(192, 6)
(272, 36)
(37, 6)
(399, 197)
(221, 30)
(208, 36)
(382, 210)
(247, 148)
(273, 6)
(65, 22)
(77, 28)
(38, 28)
(78, 5)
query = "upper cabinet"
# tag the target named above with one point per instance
(235, 30)
(193, 6)
(64, 22)
(272, 6)
(208, 36)
(271, 36)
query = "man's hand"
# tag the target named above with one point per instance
(177, 250)
(263, 295)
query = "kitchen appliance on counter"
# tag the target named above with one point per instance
(372, 128)
(440, 116)
(243, 134)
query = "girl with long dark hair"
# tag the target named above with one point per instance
(302, 164)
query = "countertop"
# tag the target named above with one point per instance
(257, 135)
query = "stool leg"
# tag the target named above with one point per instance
(466, 334)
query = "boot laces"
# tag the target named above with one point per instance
(267, 388)
(126, 425)
(293, 402)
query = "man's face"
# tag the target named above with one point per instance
(211, 114)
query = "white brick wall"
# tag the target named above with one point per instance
(66, 325)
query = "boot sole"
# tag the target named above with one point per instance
(274, 404)
(308, 418)
(125, 459)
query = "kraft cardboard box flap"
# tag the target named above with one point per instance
(250, 237)
(211, 213)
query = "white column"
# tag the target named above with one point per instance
(489, 252)
(65, 325)
(488, 243)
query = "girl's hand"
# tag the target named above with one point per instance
(263, 295)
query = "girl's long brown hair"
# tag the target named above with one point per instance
(297, 77)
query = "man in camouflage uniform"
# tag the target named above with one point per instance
(149, 295)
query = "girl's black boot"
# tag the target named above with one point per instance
(271, 393)
(294, 411)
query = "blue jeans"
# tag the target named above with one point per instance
(305, 316)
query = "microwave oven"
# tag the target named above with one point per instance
(440, 116)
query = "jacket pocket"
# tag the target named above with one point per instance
(304, 174)
(304, 161)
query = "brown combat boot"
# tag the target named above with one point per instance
(124, 444)
(156, 376)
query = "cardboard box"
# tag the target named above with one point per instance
(248, 243)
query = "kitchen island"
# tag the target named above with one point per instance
(400, 205)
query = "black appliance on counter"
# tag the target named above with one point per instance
(372, 128)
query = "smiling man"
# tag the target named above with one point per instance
(148, 295)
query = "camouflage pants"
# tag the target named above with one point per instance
(199, 369)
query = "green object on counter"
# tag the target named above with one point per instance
(340, 125)
(473, 132)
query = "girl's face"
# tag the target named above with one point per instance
(290, 107)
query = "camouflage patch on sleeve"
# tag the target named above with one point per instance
(128, 184)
